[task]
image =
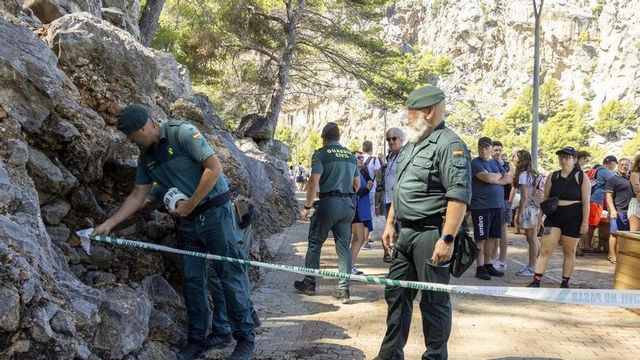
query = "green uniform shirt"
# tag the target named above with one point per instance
(337, 168)
(430, 173)
(176, 160)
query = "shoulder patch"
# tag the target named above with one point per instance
(197, 136)
(458, 152)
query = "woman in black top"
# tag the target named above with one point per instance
(569, 220)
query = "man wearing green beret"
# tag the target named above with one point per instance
(433, 189)
(175, 154)
(335, 174)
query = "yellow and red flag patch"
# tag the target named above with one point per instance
(458, 152)
(197, 136)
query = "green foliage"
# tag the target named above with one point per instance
(550, 98)
(567, 128)
(632, 147)
(613, 117)
(499, 129)
(312, 143)
(354, 145)
(436, 8)
(399, 74)
(583, 37)
(443, 66)
(597, 8)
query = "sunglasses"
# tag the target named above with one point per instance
(393, 138)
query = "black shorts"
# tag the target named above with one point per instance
(487, 223)
(567, 218)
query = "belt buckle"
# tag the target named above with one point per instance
(202, 217)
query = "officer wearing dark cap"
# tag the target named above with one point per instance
(431, 195)
(175, 154)
(335, 174)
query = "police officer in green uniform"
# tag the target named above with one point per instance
(335, 174)
(430, 199)
(175, 154)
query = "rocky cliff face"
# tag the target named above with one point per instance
(593, 52)
(64, 166)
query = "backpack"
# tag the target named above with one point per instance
(593, 177)
(538, 190)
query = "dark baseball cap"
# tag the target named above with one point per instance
(132, 118)
(485, 141)
(609, 159)
(568, 150)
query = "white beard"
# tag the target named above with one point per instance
(414, 134)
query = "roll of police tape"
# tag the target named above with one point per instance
(595, 297)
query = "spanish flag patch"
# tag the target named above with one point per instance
(197, 136)
(458, 152)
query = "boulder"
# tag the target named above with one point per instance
(9, 309)
(50, 10)
(160, 291)
(163, 328)
(256, 127)
(172, 81)
(212, 121)
(64, 323)
(154, 350)
(59, 233)
(55, 211)
(6, 190)
(125, 322)
(45, 174)
(18, 152)
(124, 21)
(277, 149)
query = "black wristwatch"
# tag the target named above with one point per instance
(447, 238)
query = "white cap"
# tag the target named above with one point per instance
(172, 197)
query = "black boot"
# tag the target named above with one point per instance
(492, 271)
(242, 351)
(481, 273)
(305, 286)
(219, 341)
(192, 350)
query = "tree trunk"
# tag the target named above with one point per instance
(536, 85)
(291, 31)
(149, 20)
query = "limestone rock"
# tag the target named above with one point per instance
(46, 175)
(59, 233)
(9, 309)
(160, 291)
(256, 127)
(154, 350)
(55, 211)
(63, 322)
(118, 18)
(50, 10)
(172, 81)
(163, 328)
(125, 322)
(276, 149)
(19, 152)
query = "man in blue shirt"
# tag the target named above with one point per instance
(596, 202)
(487, 201)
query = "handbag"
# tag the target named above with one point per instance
(550, 205)
(465, 251)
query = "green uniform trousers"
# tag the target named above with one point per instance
(214, 232)
(412, 261)
(331, 214)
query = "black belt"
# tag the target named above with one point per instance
(333, 194)
(214, 202)
(431, 221)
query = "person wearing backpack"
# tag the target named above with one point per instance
(566, 205)
(598, 177)
(531, 185)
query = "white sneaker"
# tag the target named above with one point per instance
(355, 271)
(366, 245)
(499, 265)
(526, 271)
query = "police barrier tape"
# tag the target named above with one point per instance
(596, 297)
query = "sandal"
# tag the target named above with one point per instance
(612, 260)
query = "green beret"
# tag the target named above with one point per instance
(330, 129)
(424, 97)
(132, 118)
